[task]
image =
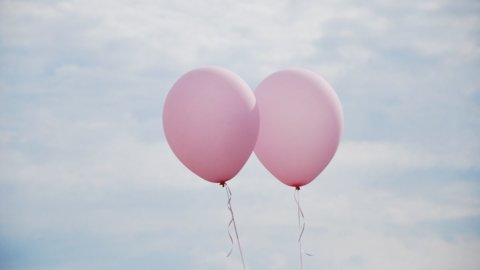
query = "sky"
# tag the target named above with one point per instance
(87, 180)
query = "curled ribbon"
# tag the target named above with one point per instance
(301, 225)
(232, 222)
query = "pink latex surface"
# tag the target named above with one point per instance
(301, 122)
(211, 122)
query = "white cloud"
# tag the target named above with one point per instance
(351, 250)
(336, 215)
(393, 157)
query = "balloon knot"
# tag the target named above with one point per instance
(222, 184)
(297, 187)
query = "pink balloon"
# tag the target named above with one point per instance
(301, 122)
(211, 122)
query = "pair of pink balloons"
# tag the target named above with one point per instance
(293, 123)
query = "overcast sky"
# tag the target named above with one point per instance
(87, 180)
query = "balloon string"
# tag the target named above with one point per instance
(232, 222)
(301, 225)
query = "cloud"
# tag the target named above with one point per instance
(393, 156)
